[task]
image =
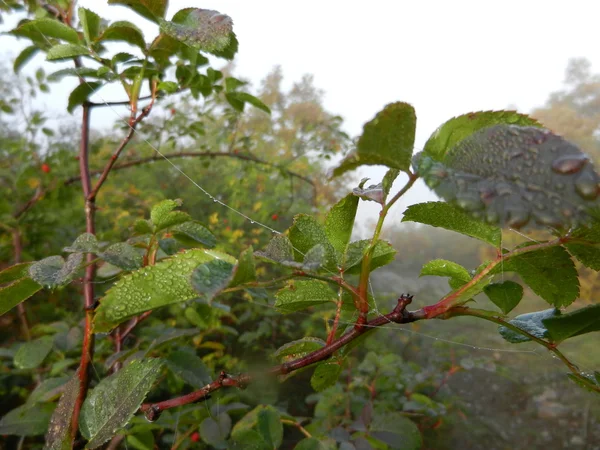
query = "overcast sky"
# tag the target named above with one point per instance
(444, 57)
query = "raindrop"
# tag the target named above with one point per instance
(469, 201)
(569, 163)
(516, 218)
(586, 185)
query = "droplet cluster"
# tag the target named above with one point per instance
(516, 176)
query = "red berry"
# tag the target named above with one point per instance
(195, 437)
(45, 168)
(275, 216)
(173, 111)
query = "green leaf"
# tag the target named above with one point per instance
(549, 272)
(85, 243)
(32, 354)
(66, 51)
(576, 323)
(246, 268)
(81, 93)
(59, 436)
(313, 443)
(254, 101)
(54, 271)
(387, 140)
(396, 430)
(340, 221)
(505, 295)
(150, 9)
(141, 440)
(27, 420)
(90, 22)
(15, 272)
(325, 375)
(383, 254)
(202, 29)
(163, 216)
(231, 84)
(151, 287)
(445, 268)
(126, 32)
(235, 102)
(191, 231)
(458, 128)
(301, 294)
(306, 233)
(587, 254)
(388, 180)
(170, 87)
(270, 427)
(443, 215)
(532, 323)
(123, 256)
(74, 72)
(298, 349)
(210, 278)
(249, 439)
(214, 431)
(24, 57)
(49, 28)
(142, 226)
(279, 250)
(516, 176)
(113, 402)
(189, 367)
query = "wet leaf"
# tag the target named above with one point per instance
(445, 268)
(16, 292)
(301, 294)
(516, 176)
(152, 287)
(48, 28)
(340, 222)
(210, 278)
(31, 354)
(298, 349)
(246, 268)
(325, 375)
(66, 51)
(85, 243)
(194, 233)
(443, 215)
(59, 436)
(202, 29)
(306, 233)
(90, 22)
(123, 256)
(532, 323)
(27, 420)
(279, 250)
(214, 431)
(270, 427)
(383, 254)
(54, 271)
(189, 367)
(150, 9)
(163, 216)
(126, 32)
(113, 402)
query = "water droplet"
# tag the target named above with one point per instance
(517, 217)
(586, 185)
(469, 201)
(546, 218)
(569, 163)
(492, 216)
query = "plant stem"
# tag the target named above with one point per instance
(363, 300)
(455, 298)
(21, 312)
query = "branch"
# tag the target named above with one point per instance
(399, 315)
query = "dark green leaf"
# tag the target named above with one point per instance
(313, 443)
(325, 375)
(194, 232)
(305, 233)
(126, 32)
(81, 93)
(383, 254)
(31, 354)
(582, 321)
(189, 367)
(90, 22)
(122, 255)
(248, 439)
(48, 390)
(50, 28)
(163, 216)
(505, 295)
(301, 294)
(114, 401)
(59, 435)
(150, 9)
(298, 349)
(234, 101)
(202, 29)
(74, 72)
(247, 98)
(85, 243)
(388, 180)
(270, 427)
(54, 271)
(24, 57)
(443, 215)
(170, 87)
(387, 140)
(458, 128)
(396, 430)
(66, 51)
(214, 431)
(516, 176)
(246, 269)
(142, 226)
(141, 440)
(152, 287)
(585, 381)
(532, 323)
(15, 272)
(27, 420)
(278, 250)
(549, 272)
(587, 254)
(210, 278)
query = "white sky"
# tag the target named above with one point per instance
(444, 57)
